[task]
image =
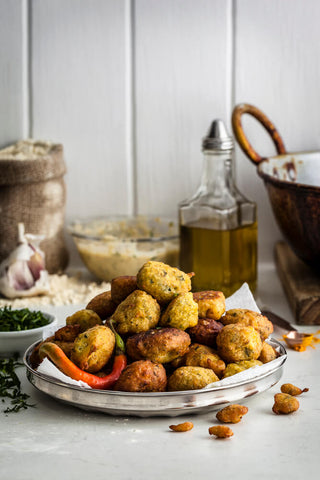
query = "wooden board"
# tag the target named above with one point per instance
(301, 285)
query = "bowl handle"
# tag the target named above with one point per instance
(244, 143)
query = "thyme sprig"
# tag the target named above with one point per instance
(10, 386)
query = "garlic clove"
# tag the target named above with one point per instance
(23, 273)
(36, 264)
(19, 276)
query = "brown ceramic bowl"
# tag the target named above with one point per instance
(293, 184)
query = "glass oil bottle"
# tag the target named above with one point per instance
(218, 225)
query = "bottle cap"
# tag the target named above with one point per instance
(217, 137)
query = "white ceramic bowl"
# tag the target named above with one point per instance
(12, 342)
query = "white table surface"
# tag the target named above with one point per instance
(54, 440)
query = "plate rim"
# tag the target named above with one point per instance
(182, 393)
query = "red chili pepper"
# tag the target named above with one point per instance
(58, 357)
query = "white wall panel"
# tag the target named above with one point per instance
(79, 97)
(278, 70)
(13, 77)
(131, 86)
(181, 84)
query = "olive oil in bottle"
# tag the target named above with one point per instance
(218, 227)
(222, 259)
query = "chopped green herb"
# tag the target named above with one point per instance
(10, 385)
(24, 319)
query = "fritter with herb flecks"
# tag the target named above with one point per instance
(237, 342)
(191, 378)
(137, 313)
(182, 312)
(162, 281)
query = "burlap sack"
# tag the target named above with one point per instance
(34, 192)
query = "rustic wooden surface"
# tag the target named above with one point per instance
(301, 285)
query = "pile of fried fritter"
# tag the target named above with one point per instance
(175, 339)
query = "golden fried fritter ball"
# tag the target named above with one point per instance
(102, 304)
(204, 356)
(182, 312)
(238, 342)
(191, 378)
(211, 303)
(85, 318)
(249, 318)
(268, 353)
(232, 413)
(206, 331)
(233, 368)
(34, 357)
(66, 347)
(93, 348)
(121, 287)
(137, 313)
(142, 376)
(285, 404)
(158, 345)
(68, 333)
(178, 362)
(162, 281)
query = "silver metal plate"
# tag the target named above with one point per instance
(156, 403)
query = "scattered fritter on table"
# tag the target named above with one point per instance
(182, 427)
(221, 431)
(232, 413)
(285, 404)
(292, 389)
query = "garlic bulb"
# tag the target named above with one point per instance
(23, 273)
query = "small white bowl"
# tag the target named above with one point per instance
(18, 342)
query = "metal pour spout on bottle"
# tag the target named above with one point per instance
(218, 226)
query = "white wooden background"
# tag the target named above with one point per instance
(130, 88)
